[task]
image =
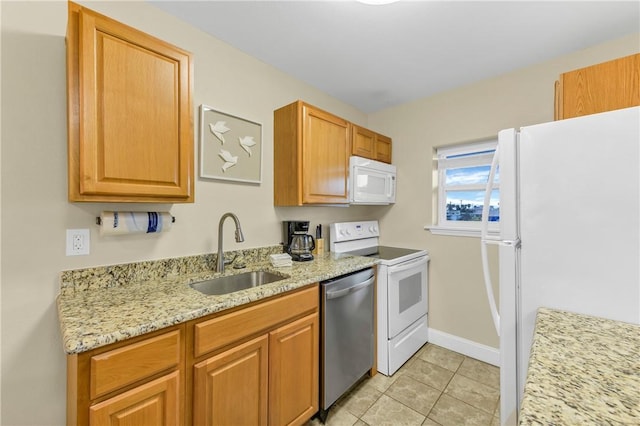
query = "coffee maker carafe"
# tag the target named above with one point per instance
(297, 242)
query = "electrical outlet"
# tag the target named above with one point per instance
(77, 242)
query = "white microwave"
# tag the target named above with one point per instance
(371, 182)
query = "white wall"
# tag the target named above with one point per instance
(458, 303)
(36, 213)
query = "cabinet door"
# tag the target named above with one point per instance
(153, 404)
(130, 113)
(383, 149)
(368, 144)
(294, 372)
(363, 142)
(231, 388)
(325, 153)
(603, 87)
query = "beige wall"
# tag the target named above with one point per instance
(35, 211)
(34, 185)
(458, 303)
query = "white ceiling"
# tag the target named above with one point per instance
(374, 57)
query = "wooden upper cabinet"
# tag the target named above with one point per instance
(311, 156)
(363, 142)
(369, 144)
(130, 113)
(603, 87)
(383, 148)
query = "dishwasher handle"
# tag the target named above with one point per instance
(340, 293)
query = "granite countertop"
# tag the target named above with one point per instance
(103, 305)
(582, 370)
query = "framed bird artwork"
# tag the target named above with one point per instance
(230, 147)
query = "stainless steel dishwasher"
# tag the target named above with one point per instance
(347, 334)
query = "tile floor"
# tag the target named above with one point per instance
(435, 387)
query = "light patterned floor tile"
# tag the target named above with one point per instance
(429, 374)
(382, 382)
(473, 393)
(414, 394)
(449, 411)
(429, 422)
(360, 399)
(481, 372)
(389, 412)
(441, 357)
(436, 387)
(337, 416)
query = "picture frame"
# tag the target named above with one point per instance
(230, 147)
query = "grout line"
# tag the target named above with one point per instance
(442, 392)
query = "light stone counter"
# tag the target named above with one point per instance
(582, 371)
(103, 305)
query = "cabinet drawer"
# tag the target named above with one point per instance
(223, 330)
(128, 364)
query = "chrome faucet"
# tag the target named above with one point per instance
(239, 238)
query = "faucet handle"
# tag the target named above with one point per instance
(230, 261)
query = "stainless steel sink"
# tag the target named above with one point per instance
(233, 283)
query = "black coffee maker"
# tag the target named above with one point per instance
(297, 242)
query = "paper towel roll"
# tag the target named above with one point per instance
(120, 223)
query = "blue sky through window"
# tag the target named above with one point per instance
(464, 172)
(476, 175)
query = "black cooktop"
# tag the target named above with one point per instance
(384, 252)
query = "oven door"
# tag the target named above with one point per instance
(407, 294)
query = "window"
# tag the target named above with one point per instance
(463, 172)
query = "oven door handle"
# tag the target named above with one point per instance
(408, 265)
(348, 290)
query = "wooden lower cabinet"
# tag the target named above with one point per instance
(270, 375)
(138, 382)
(154, 404)
(253, 365)
(231, 388)
(293, 372)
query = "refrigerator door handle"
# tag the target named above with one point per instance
(485, 239)
(507, 243)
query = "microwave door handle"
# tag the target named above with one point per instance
(390, 191)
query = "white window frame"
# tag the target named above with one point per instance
(442, 163)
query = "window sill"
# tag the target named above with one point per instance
(458, 232)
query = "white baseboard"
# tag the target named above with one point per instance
(465, 347)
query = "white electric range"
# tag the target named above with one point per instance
(402, 295)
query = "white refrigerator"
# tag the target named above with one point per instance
(569, 231)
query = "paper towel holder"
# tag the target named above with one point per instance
(99, 221)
